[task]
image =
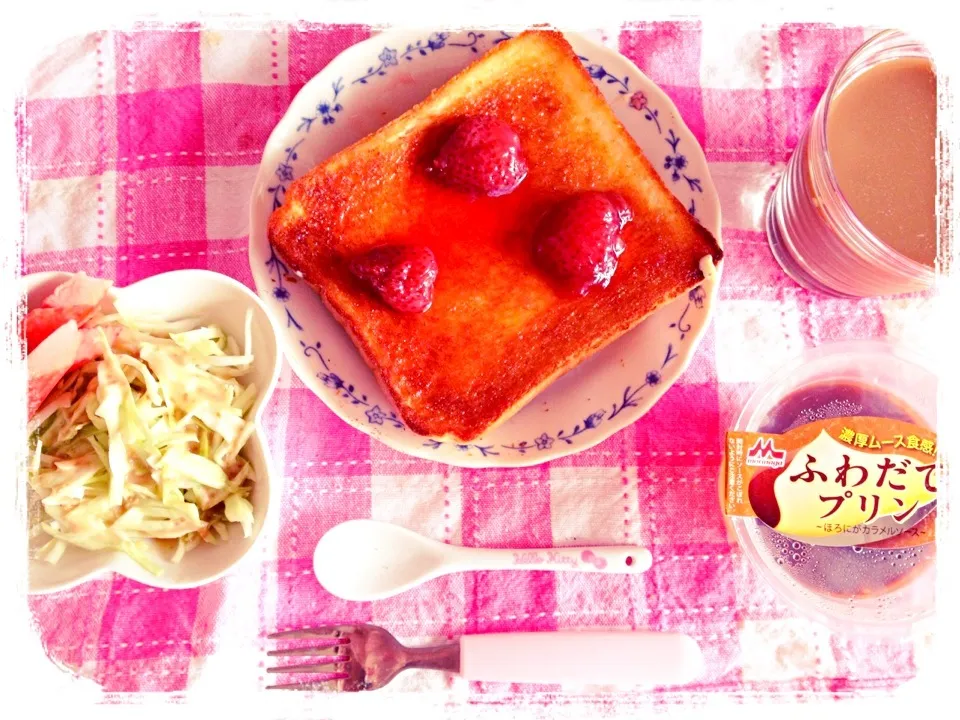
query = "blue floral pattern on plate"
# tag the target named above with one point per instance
(327, 110)
(390, 57)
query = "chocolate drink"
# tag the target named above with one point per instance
(851, 571)
(881, 135)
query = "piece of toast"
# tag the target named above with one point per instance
(498, 331)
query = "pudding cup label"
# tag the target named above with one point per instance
(841, 481)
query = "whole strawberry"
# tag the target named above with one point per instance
(578, 242)
(402, 275)
(482, 156)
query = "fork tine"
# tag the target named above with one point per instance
(323, 662)
(324, 643)
(318, 650)
(323, 631)
(328, 684)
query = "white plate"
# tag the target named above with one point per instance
(179, 294)
(377, 80)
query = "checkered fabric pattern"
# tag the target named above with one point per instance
(142, 149)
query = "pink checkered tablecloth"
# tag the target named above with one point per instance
(141, 152)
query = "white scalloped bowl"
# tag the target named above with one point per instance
(215, 298)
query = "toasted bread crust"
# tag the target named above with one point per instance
(498, 331)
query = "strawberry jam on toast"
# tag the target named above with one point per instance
(498, 329)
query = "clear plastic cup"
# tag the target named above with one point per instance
(856, 589)
(812, 230)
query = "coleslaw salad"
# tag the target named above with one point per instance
(137, 446)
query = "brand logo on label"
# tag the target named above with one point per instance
(765, 454)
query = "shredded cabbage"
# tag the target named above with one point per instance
(144, 447)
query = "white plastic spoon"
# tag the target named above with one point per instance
(368, 560)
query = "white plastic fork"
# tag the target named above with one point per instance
(352, 658)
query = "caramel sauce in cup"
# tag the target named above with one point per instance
(880, 587)
(859, 571)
